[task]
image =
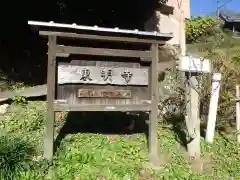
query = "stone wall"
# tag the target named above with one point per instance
(169, 80)
(167, 19)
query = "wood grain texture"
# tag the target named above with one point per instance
(139, 93)
(35, 91)
(101, 107)
(49, 137)
(70, 93)
(101, 38)
(153, 87)
(102, 51)
(73, 74)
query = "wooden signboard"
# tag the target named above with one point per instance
(97, 85)
(102, 75)
(102, 82)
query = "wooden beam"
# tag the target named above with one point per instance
(49, 137)
(35, 91)
(102, 51)
(153, 89)
(66, 55)
(102, 38)
(101, 107)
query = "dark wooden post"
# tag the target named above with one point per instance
(153, 88)
(49, 137)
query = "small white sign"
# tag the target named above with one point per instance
(190, 64)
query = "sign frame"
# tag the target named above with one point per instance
(151, 56)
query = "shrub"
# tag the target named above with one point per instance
(15, 155)
(201, 26)
(223, 51)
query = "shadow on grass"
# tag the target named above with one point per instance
(104, 123)
(178, 127)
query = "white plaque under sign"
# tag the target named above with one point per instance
(99, 75)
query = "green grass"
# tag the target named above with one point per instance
(89, 156)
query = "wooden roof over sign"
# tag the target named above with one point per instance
(59, 27)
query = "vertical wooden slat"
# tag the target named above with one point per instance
(49, 137)
(153, 89)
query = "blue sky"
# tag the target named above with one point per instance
(206, 7)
